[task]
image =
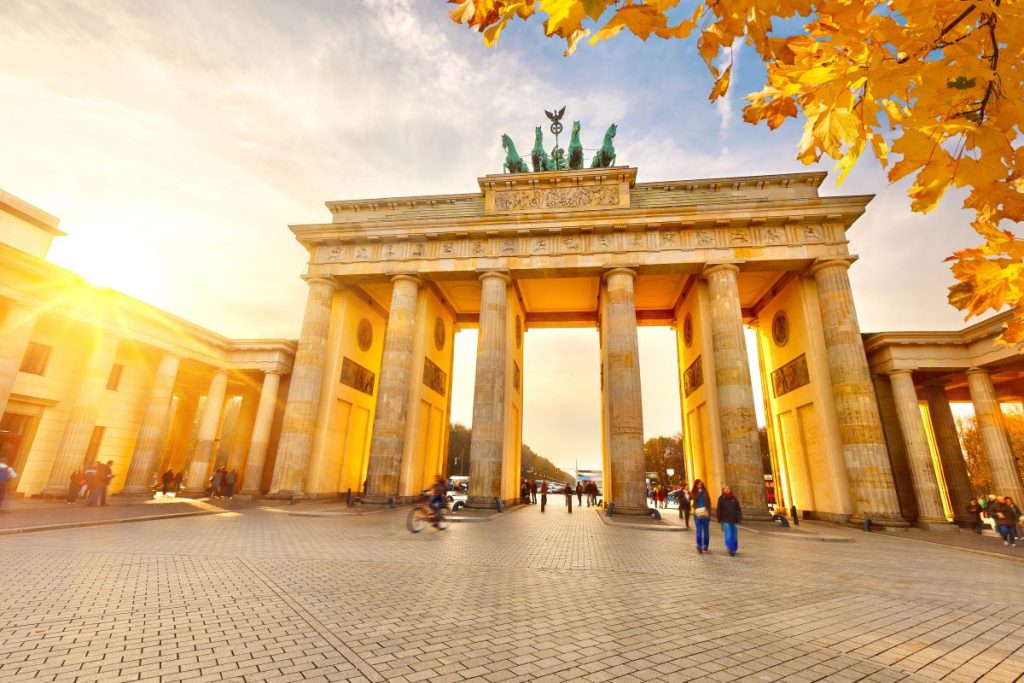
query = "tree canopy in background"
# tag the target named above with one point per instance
(936, 84)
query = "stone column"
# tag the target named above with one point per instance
(1005, 477)
(199, 468)
(958, 484)
(260, 435)
(744, 469)
(388, 439)
(15, 334)
(82, 418)
(872, 486)
(919, 457)
(151, 431)
(486, 447)
(625, 410)
(296, 442)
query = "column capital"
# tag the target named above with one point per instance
(843, 262)
(320, 280)
(407, 277)
(631, 272)
(899, 372)
(710, 268)
(976, 371)
(502, 275)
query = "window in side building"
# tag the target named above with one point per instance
(115, 377)
(36, 358)
(92, 452)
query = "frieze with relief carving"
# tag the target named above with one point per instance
(790, 376)
(556, 198)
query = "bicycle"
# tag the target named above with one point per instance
(421, 514)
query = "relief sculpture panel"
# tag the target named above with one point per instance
(693, 378)
(356, 376)
(790, 376)
(556, 198)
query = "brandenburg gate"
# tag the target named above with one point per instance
(391, 280)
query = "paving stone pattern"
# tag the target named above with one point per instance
(264, 595)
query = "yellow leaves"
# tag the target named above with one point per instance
(643, 20)
(721, 85)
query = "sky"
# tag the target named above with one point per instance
(177, 141)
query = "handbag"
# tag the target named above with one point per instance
(701, 513)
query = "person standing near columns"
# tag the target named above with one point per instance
(958, 484)
(744, 469)
(388, 440)
(195, 483)
(486, 447)
(872, 486)
(15, 334)
(992, 425)
(919, 457)
(151, 431)
(296, 442)
(82, 417)
(626, 415)
(260, 435)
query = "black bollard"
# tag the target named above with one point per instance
(498, 505)
(610, 510)
(867, 524)
(348, 498)
(792, 512)
(543, 501)
(391, 503)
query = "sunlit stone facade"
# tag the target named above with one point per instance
(361, 401)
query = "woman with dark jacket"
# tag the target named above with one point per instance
(973, 510)
(729, 514)
(701, 501)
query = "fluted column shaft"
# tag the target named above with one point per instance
(151, 431)
(486, 447)
(15, 334)
(868, 469)
(1005, 477)
(388, 440)
(199, 468)
(625, 414)
(919, 457)
(261, 434)
(82, 416)
(299, 423)
(744, 469)
(958, 484)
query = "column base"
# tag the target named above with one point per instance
(194, 493)
(285, 495)
(879, 520)
(936, 525)
(382, 499)
(757, 516)
(633, 511)
(482, 503)
(135, 493)
(52, 493)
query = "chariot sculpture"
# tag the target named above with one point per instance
(557, 159)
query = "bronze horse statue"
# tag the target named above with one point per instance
(513, 162)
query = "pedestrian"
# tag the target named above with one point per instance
(179, 478)
(684, 506)
(1013, 518)
(568, 496)
(533, 492)
(75, 483)
(543, 495)
(524, 492)
(106, 476)
(216, 483)
(1006, 525)
(7, 475)
(166, 481)
(230, 478)
(701, 502)
(93, 475)
(662, 497)
(974, 515)
(729, 515)
(579, 493)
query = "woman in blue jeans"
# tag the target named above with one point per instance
(729, 514)
(701, 502)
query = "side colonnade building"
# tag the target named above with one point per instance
(88, 374)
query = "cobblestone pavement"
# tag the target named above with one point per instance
(30, 514)
(261, 594)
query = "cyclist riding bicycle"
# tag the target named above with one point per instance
(437, 496)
